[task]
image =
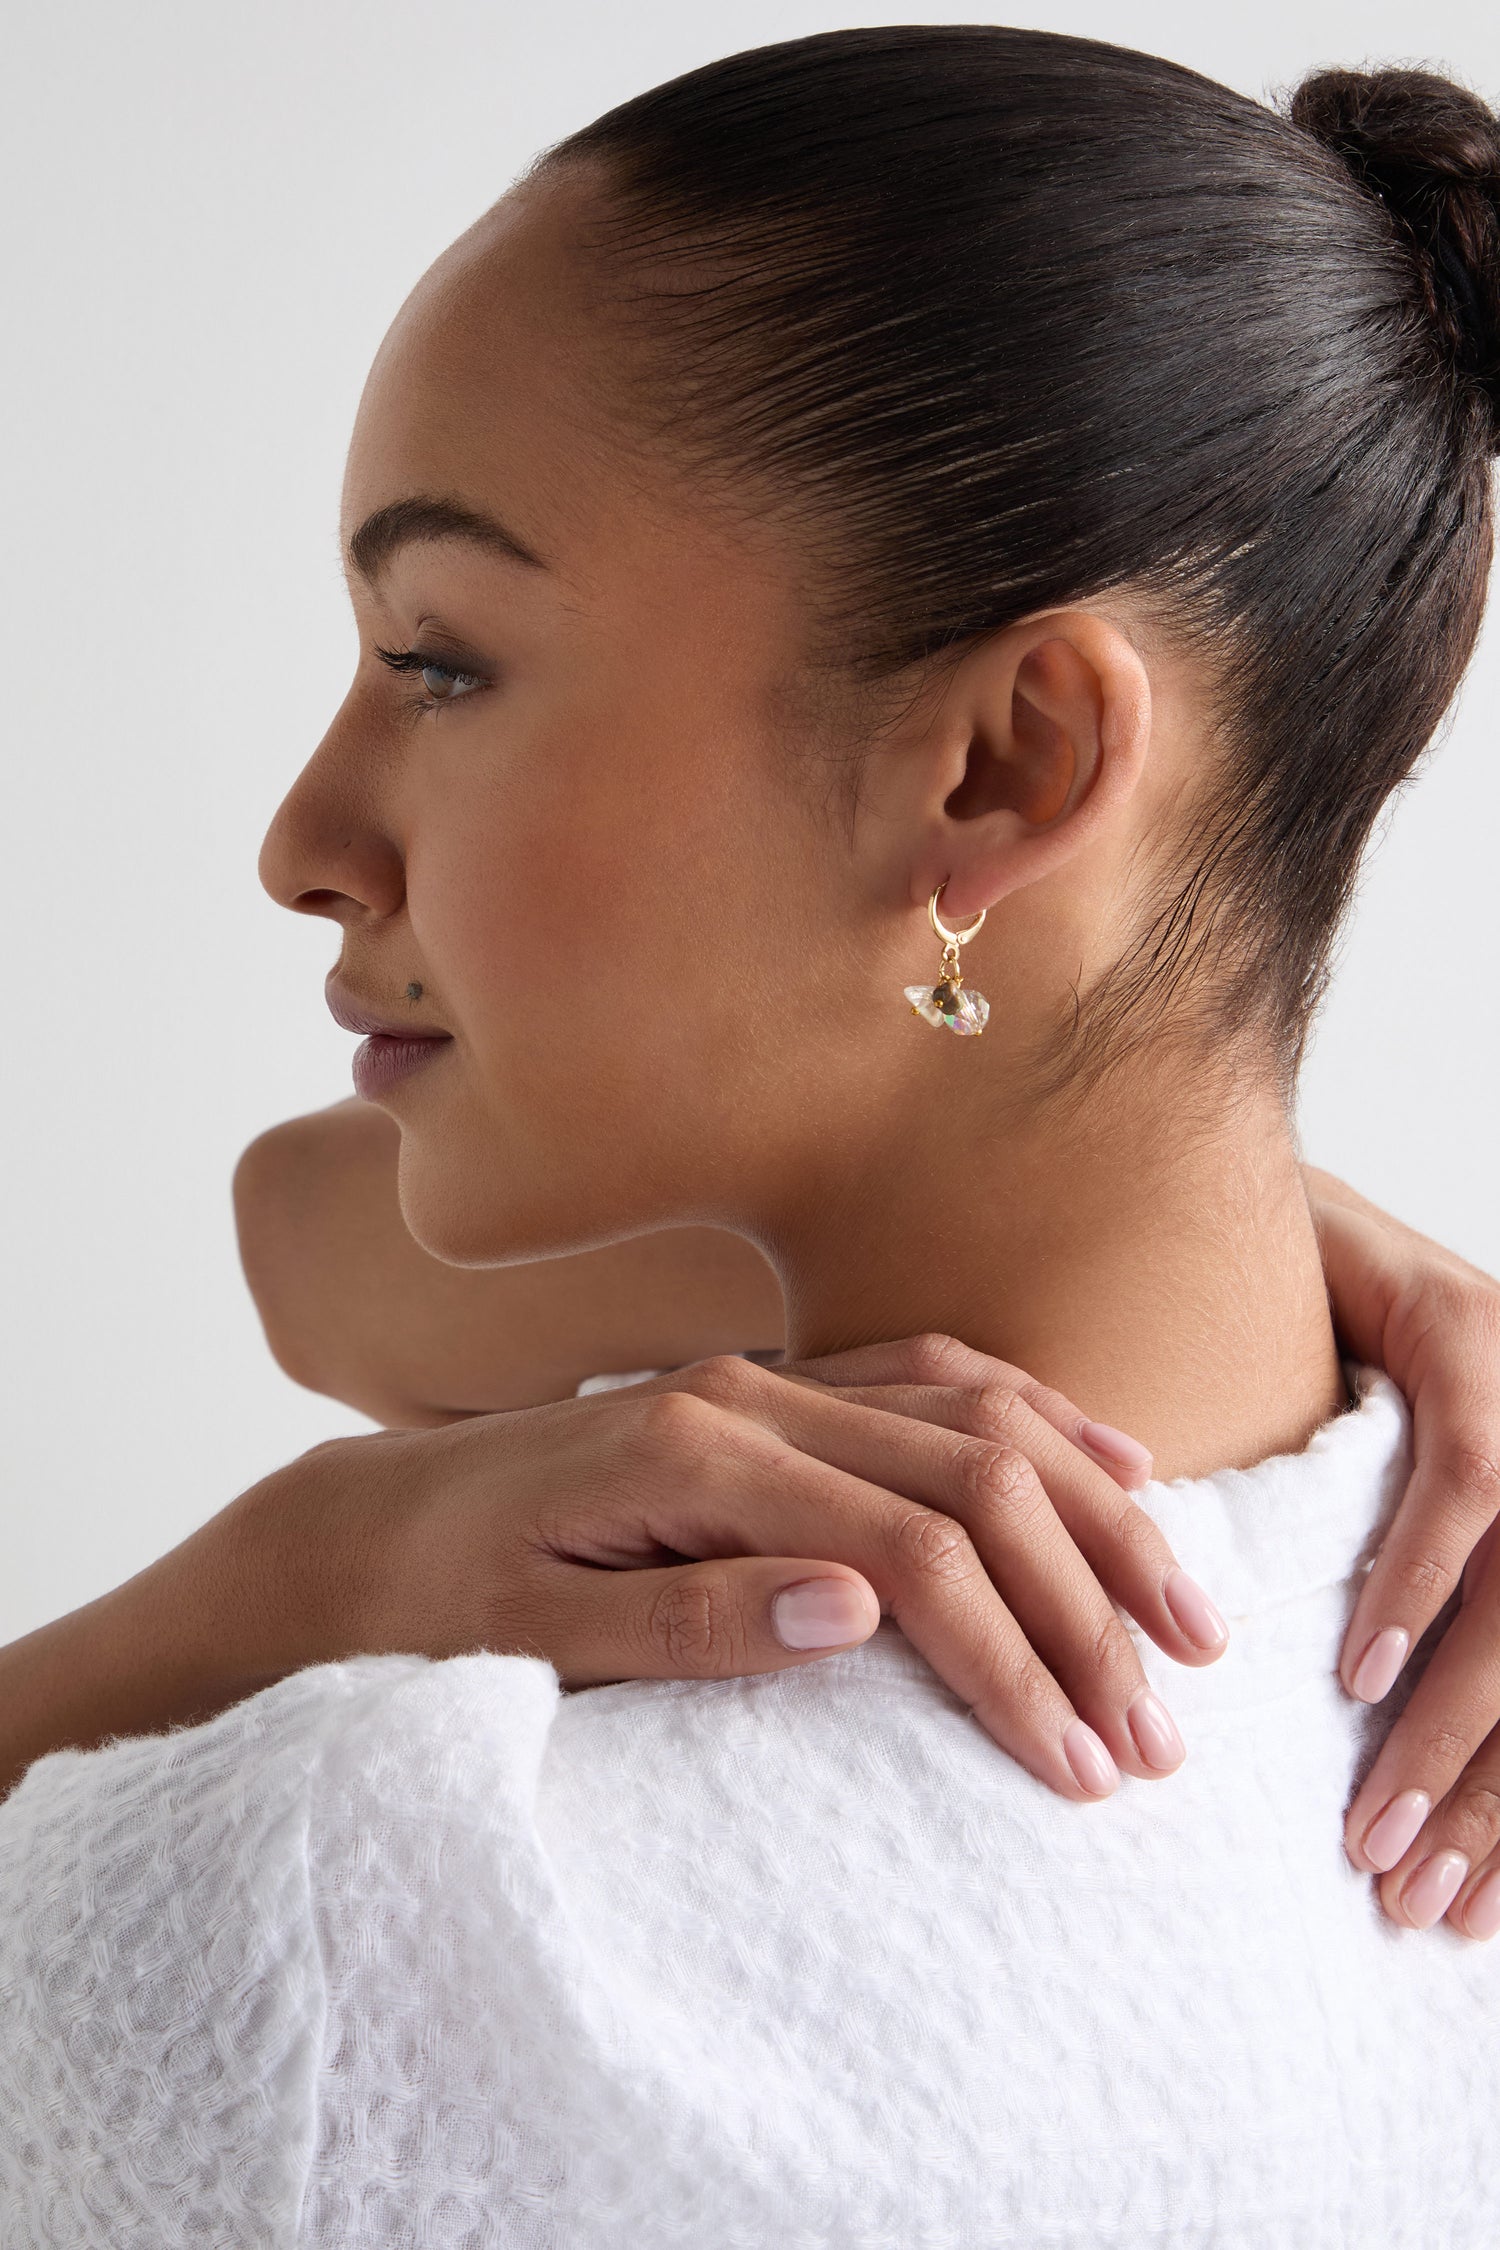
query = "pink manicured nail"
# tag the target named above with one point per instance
(1482, 1914)
(1433, 1888)
(1113, 1447)
(1093, 1767)
(820, 1613)
(1375, 1674)
(1193, 1610)
(1155, 1734)
(1396, 1829)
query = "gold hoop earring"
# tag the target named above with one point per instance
(947, 1001)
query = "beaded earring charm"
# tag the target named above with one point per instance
(948, 1002)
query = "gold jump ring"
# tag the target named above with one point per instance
(941, 929)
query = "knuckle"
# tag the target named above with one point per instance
(1431, 1296)
(1109, 1651)
(1424, 1309)
(678, 1424)
(1445, 1312)
(694, 1623)
(1424, 1580)
(1140, 1545)
(931, 1547)
(999, 1481)
(1028, 1692)
(1442, 1750)
(990, 1410)
(1475, 1471)
(1471, 1822)
(723, 1379)
(936, 1358)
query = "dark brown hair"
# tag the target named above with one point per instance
(1010, 319)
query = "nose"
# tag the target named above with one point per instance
(327, 850)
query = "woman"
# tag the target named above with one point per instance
(957, 525)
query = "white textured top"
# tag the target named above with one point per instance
(430, 1954)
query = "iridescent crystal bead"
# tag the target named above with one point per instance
(955, 1006)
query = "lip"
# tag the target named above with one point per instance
(354, 1016)
(390, 1051)
(380, 1062)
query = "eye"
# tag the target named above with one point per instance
(441, 682)
(444, 685)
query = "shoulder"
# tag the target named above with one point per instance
(163, 1952)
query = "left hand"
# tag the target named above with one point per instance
(1426, 1818)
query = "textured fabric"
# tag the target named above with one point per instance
(430, 1954)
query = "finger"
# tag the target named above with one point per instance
(1433, 1322)
(748, 1489)
(715, 1620)
(1122, 1544)
(1449, 1869)
(1026, 1550)
(928, 1360)
(1479, 1562)
(1452, 1500)
(1452, 1710)
(920, 1444)
(727, 1618)
(1366, 1264)
(1396, 1293)
(1475, 1913)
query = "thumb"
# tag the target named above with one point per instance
(715, 1620)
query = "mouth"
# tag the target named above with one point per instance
(390, 1051)
(353, 1015)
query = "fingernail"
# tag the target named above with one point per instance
(1193, 1610)
(1396, 1829)
(1433, 1888)
(1375, 1673)
(1482, 1914)
(1093, 1767)
(1155, 1733)
(1113, 1447)
(820, 1613)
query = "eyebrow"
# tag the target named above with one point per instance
(426, 516)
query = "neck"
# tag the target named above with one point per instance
(1164, 1276)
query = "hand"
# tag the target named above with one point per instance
(1426, 1818)
(644, 1533)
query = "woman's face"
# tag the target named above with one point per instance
(630, 893)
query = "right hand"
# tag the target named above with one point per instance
(728, 1519)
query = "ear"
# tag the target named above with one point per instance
(1038, 743)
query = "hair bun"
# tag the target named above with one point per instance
(1431, 151)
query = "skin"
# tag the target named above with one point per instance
(721, 1066)
(691, 1013)
(631, 1106)
(355, 1309)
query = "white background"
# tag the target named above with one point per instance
(212, 212)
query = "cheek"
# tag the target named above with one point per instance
(597, 934)
(570, 907)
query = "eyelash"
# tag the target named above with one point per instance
(417, 661)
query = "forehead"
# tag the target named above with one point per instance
(496, 388)
(481, 391)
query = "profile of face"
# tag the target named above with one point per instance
(599, 817)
